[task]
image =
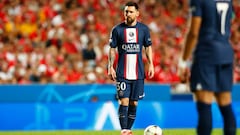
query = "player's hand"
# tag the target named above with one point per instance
(112, 73)
(183, 71)
(183, 75)
(151, 71)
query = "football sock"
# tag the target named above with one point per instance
(229, 119)
(132, 109)
(123, 111)
(204, 126)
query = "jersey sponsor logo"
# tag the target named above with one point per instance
(131, 47)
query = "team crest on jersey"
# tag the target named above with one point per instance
(120, 93)
(131, 35)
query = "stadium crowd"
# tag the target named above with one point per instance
(66, 41)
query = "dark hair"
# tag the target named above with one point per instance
(131, 3)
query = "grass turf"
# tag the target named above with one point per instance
(116, 132)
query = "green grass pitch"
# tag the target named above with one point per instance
(80, 132)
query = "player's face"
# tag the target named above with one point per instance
(130, 14)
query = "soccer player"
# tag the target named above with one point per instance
(212, 67)
(129, 37)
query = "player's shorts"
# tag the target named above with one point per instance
(216, 78)
(132, 89)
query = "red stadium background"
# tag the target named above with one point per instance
(66, 41)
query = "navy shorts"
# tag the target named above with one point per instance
(216, 78)
(132, 89)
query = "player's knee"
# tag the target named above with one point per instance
(204, 96)
(224, 102)
(124, 101)
(223, 99)
(133, 103)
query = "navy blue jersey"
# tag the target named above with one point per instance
(213, 42)
(129, 41)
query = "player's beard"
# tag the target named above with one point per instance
(130, 20)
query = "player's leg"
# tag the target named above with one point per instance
(123, 112)
(224, 98)
(132, 109)
(204, 108)
(225, 106)
(123, 93)
(136, 93)
(202, 85)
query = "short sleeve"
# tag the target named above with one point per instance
(147, 38)
(113, 38)
(196, 8)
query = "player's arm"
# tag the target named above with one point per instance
(149, 56)
(191, 41)
(111, 59)
(112, 54)
(195, 24)
(192, 37)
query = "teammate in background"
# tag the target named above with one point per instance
(212, 68)
(129, 37)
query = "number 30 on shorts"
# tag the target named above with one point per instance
(121, 86)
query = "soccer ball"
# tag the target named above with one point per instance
(153, 130)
